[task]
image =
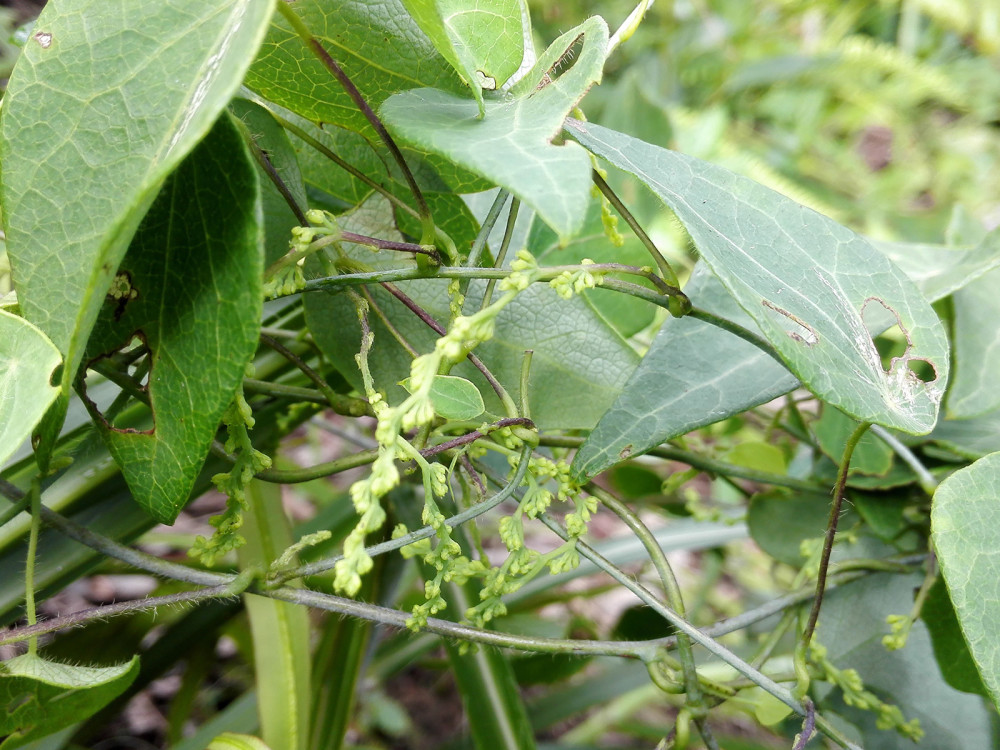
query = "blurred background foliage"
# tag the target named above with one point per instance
(882, 115)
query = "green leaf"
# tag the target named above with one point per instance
(512, 145)
(871, 456)
(779, 522)
(851, 627)
(693, 375)
(972, 438)
(97, 114)
(950, 649)
(232, 741)
(812, 286)
(454, 397)
(483, 41)
(280, 630)
(192, 292)
(273, 141)
(972, 391)
(940, 270)
(378, 45)
(27, 361)
(965, 529)
(39, 697)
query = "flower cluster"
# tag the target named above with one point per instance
(569, 283)
(249, 462)
(849, 681)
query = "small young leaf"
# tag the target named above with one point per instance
(965, 528)
(871, 455)
(454, 397)
(39, 697)
(813, 287)
(27, 361)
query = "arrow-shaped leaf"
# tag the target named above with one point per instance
(512, 145)
(813, 287)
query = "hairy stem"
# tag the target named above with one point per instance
(831, 529)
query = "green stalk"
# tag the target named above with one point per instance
(280, 631)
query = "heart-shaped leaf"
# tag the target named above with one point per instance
(812, 286)
(965, 528)
(512, 145)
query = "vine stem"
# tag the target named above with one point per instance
(508, 233)
(831, 529)
(35, 502)
(352, 91)
(485, 228)
(665, 268)
(671, 589)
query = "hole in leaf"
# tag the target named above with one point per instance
(116, 387)
(796, 328)
(55, 380)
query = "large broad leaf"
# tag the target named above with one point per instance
(378, 45)
(851, 627)
(190, 288)
(693, 375)
(39, 697)
(106, 100)
(812, 286)
(512, 145)
(965, 528)
(724, 375)
(27, 361)
(973, 390)
(483, 41)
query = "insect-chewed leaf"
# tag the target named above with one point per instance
(813, 287)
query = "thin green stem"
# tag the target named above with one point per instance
(485, 228)
(831, 529)
(666, 269)
(704, 463)
(359, 101)
(737, 330)
(525, 372)
(354, 407)
(35, 502)
(31, 632)
(508, 233)
(928, 482)
(667, 579)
